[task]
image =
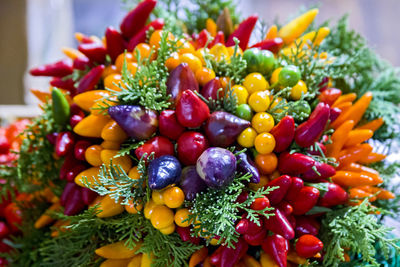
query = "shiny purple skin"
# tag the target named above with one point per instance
(222, 128)
(216, 166)
(210, 89)
(180, 79)
(164, 171)
(191, 183)
(138, 122)
(246, 165)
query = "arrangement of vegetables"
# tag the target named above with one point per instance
(159, 146)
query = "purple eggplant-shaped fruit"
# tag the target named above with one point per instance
(164, 171)
(246, 165)
(191, 183)
(180, 79)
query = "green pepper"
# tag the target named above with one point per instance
(299, 110)
(289, 76)
(60, 109)
(262, 61)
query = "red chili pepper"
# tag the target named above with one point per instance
(335, 195)
(317, 152)
(308, 245)
(295, 163)
(231, 256)
(57, 69)
(180, 79)
(66, 84)
(140, 37)
(278, 247)
(169, 126)
(305, 200)
(80, 148)
(202, 39)
(253, 228)
(242, 226)
(279, 224)
(334, 114)
(72, 173)
(260, 203)
(323, 85)
(215, 258)
(82, 63)
(256, 239)
(283, 133)
(285, 208)
(13, 215)
(325, 171)
(184, 233)
(329, 95)
(115, 43)
(159, 145)
(294, 189)
(74, 203)
(191, 111)
(4, 231)
(64, 143)
(96, 52)
(210, 89)
(91, 79)
(69, 162)
(273, 45)
(75, 119)
(243, 32)
(190, 146)
(306, 225)
(52, 138)
(136, 19)
(88, 196)
(277, 195)
(309, 131)
(218, 39)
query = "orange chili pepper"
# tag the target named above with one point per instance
(357, 193)
(355, 167)
(352, 179)
(42, 96)
(339, 138)
(272, 32)
(72, 53)
(198, 257)
(45, 219)
(344, 106)
(293, 257)
(207, 262)
(372, 158)
(383, 193)
(344, 98)
(355, 112)
(372, 125)
(249, 261)
(353, 154)
(356, 137)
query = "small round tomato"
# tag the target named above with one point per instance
(289, 76)
(162, 217)
(255, 82)
(244, 111)
(240, 93)
(264, 143)
(204, 75)
(259, 101)
(190, 147)
(220, 52)
(142, 51)
(185, 47)
(266, 163)
(246, 137)
(298, 90)
(193, 61)
(180, 216)
(155, 38)
(173, 197)
(173, 61)
(119, 62)
(110, 69)
(260, 203)
(168, 230)
(262, 122)
(149, 208)
(157, 197)
(259, 60)
(263, 181)
(113, 82)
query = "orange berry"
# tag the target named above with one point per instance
(266, 163)
(172, 62)
(204, 75)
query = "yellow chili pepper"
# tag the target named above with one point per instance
(249, 261)
(293, 257)
(295, 28)
(72, 53)
(91, 126)
(113, 132)
(211, 27)
(356, 137)
(372, 158)
(115, 263)
(45, 219)
(87, 99)
(42, 96)
(272, 32)
(372, 125)
(352, 179)
(117, 251)
(314, 37)
(147, 260)
(135, 261)
(109, 207)
(91, 175)
(108, 156)
(198, 257)
(267, 261)
(344, 98)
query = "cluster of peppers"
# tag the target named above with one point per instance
(188, 142)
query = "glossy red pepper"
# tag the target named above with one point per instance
(277, 195)
(136, 19)
(323, 85)
(317, 152)
(242, 226)
(64, 143)
(294, 189)
(306, 199)
(308, 245)
(96, 52)
(231, 256)
(115, 43)
(283, 133)
(69, 162)
(260, 203)
(74, 203)
(218, 39)
(191, 111)
(285, 208)
(243, 32)
(306, 225)
(66, 192)
(75, 119)
(180, 79)
(159, 145)
(91, 79)
(295, 163)
(309, 131)
(4, 231)
(202, 39)
(210, 89)
(335, 195)
(66, 84)
(57, 69)
(279, 224)
(190, 146)
(74, 171)
(257, 238)
(334, 114)
(140, 37)
(13, 215)
(273, 45)
(52, 138)
(184, 233)
(215, 258)
(82, 63)
(80, 148)
(324, 171)
(329, 95)
(169, 126)
(88, 196)
(277, 247)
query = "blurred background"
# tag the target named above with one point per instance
(33, 31)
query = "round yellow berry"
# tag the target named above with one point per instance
(264, 143)
(241, 94)
(246, 138)
(180, 216)
(255, 82)
(259, 101)
(162, 217)
(299, 89)
(262, 122)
